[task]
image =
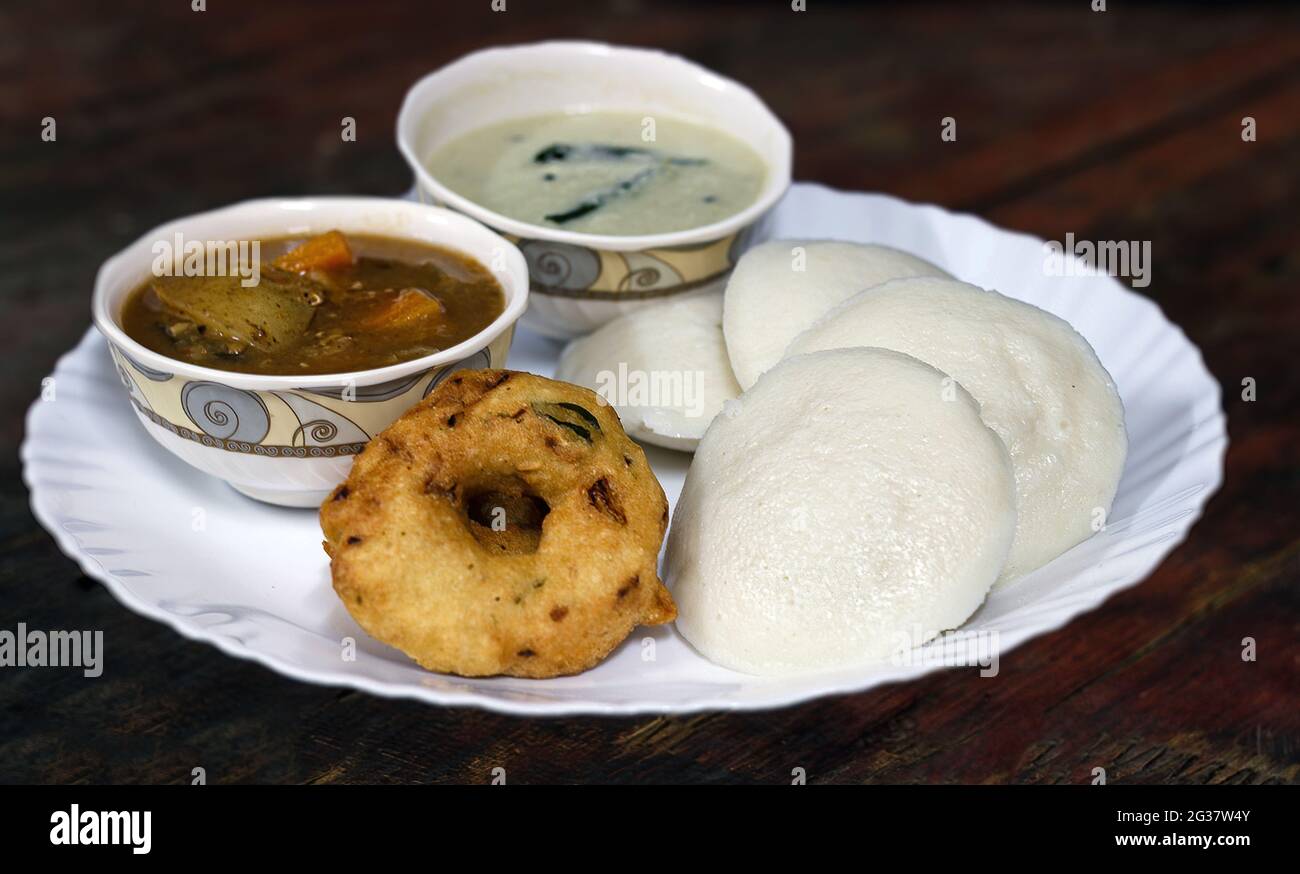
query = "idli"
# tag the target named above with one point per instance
(779, 288)
(1039, 384)
(838, 512)
(663, 367)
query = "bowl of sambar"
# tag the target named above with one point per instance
(265, 343)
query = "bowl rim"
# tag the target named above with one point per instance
(514, 283)
(775, 187)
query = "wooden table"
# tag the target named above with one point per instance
(1123, 125)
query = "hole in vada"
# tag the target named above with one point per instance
(506, 517)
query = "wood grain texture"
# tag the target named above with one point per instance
(1115, 126)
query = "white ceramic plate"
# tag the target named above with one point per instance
(187, 550)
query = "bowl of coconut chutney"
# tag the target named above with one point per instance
(624, 175)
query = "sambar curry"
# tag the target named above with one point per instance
(328, 304)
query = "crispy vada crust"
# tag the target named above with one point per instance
(418, 563)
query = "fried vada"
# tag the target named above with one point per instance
(504, 525)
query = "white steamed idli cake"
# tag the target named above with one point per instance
(779, 288)
(1039, 384)
(836, 513)
(663, 367)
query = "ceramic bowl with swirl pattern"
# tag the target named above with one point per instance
(580, 280)
(289, 440)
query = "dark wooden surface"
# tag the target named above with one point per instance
(1122, 125)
